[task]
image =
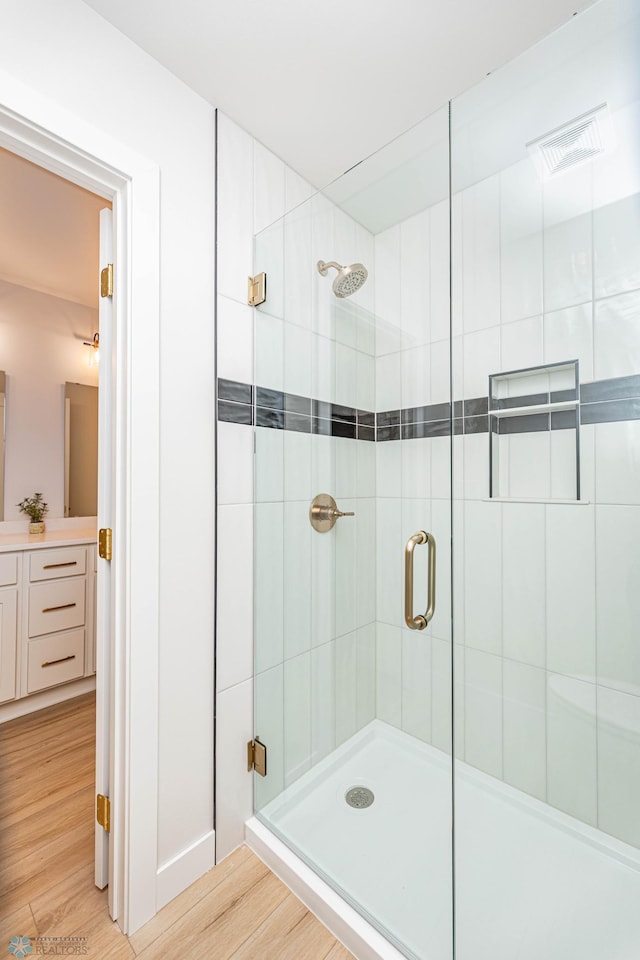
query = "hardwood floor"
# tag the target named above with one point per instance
(237, 911)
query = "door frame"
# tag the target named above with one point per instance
(44, 132)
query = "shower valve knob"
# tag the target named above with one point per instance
(324, 512)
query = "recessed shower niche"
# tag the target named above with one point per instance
(534, 433)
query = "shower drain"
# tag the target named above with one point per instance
(359, 797)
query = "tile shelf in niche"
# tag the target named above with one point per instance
(547, 398)
(535, 408)
(547, 500)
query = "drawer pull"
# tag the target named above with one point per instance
(63, 606)
(52, 663)
(54, 566)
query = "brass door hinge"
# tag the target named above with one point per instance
(106, 281)
(257, 757)
(103, 811)
(105, 543)
(257, 290)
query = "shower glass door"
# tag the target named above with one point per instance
(546, 357)
(352, 402)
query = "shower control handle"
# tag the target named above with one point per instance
(419, 621)
(324, 512)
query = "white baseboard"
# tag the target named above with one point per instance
(185, 868)
(36, 701)
(345, 923)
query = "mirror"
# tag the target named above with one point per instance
(80, 450)
(2, 382)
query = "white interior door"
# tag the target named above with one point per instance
(104, 842)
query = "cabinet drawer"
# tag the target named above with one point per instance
(56, 606)
(53, 660)
(53, 564)
(8, 569)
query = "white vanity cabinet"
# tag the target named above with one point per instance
(47, 621)
(8, 624)
(56, 617)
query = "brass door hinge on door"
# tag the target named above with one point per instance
(103, 811)
(105, 543)
(106, 281)
(257, 757)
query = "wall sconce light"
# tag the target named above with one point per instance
(95, 345)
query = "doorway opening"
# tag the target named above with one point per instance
(55, 444)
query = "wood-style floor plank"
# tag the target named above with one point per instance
(184, 902)
(239, 910)
(291, 932)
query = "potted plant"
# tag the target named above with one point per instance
(35, 508)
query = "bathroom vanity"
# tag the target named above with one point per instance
(47, 618)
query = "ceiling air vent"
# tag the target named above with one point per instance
(573, 143)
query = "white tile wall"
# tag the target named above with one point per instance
(323, 709)
(618, 597)
(235, 464)
(482, 575)
(235, 209)
(523, 579)
(525, 761)
(481, 255)
(414, 279)
(416, 684)
(235, 340)
(483, 711)
(619, 764)
(567, 263)
(520, 242)
(616, 336)
(618, 462)
(616, 241)
(297, 717)
(346, 687)
(235, 592)
(296, 578)
(571, 746)
(571, 590)
(389, 673)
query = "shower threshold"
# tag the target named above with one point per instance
(531, 881)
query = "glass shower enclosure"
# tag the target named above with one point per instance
(447, 667)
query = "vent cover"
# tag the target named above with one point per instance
(575, 142)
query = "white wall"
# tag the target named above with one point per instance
(73, 57)
(41, 346)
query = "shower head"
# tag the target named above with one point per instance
(349, 278)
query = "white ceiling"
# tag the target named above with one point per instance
(49, 232)
(325, 84)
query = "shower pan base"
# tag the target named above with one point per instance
(564, 888)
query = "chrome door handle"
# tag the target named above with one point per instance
(420, 621)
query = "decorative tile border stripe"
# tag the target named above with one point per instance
(603, 401)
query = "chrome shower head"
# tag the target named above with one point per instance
(349, 278)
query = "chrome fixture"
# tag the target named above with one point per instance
(349, 278)
(420, 621)
(324, 512)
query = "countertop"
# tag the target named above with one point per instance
(12, 542)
